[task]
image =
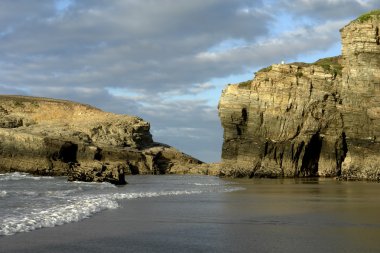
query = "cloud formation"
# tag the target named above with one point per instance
(160, 59)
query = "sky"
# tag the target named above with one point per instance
(166, 61)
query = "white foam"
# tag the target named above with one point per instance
(214, 183)
(206, 184)
(3, 194)
(20, 176)
(135, 195)
(78, 208)
(81, 207)
(63, 193)
(233, 189)
(75, 210)
(28, 193)
(101, 185)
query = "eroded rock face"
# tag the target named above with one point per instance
(300, 120)
(54, 137)
(361, 98)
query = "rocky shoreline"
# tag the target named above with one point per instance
(53, 137)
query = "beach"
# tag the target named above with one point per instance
(261, 215)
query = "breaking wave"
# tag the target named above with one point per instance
(20, 176)
(78, 208)
(28, 205)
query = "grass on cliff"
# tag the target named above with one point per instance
(331, 65)
(267, 69)
(245, 84)
(369, 15)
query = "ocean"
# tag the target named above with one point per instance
(174, 213)
(30, 202)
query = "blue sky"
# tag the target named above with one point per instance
(166, 61)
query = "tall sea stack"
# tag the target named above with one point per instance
(301, 120)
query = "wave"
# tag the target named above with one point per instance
(78, 208)
(21, 176)
(63, 193)
(101, 185)
(216, 183)
(207, 184)
(54, 216)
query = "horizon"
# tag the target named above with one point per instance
(165, 62)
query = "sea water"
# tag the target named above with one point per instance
(30, 202)
(174, 213)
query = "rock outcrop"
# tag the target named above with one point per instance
(62, 138)
(303, 120)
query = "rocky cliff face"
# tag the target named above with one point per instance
(55, 137)
(300, 120)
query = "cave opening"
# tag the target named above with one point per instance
(133, 169)
(68, 152)
(238, 130)
(98, 154)
(310, 159)
(244, 114)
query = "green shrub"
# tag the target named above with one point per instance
(245, 84)
(331, 65)
(267, 69)
(17, 103)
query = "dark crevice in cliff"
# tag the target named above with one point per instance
(161, 164)
(310, 89)
(240, 127)
(341, 150)
(266, 148)
(377, 36)
(281, 156)
(254, 169)
(297, 133)
(310, 159)
(238, 130)
(296, 154)
(68, 152)
(98, 154)
(244, 114)
(337, 98)
(261, 118)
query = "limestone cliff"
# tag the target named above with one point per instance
(55, 137)
(300, 120)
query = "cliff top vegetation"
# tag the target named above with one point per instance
(369, 15)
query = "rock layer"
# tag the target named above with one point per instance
(55, 137)
(301, 120)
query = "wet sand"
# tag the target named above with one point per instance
(269, 216)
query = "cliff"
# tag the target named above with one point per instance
(303, 120)
(62, 138)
